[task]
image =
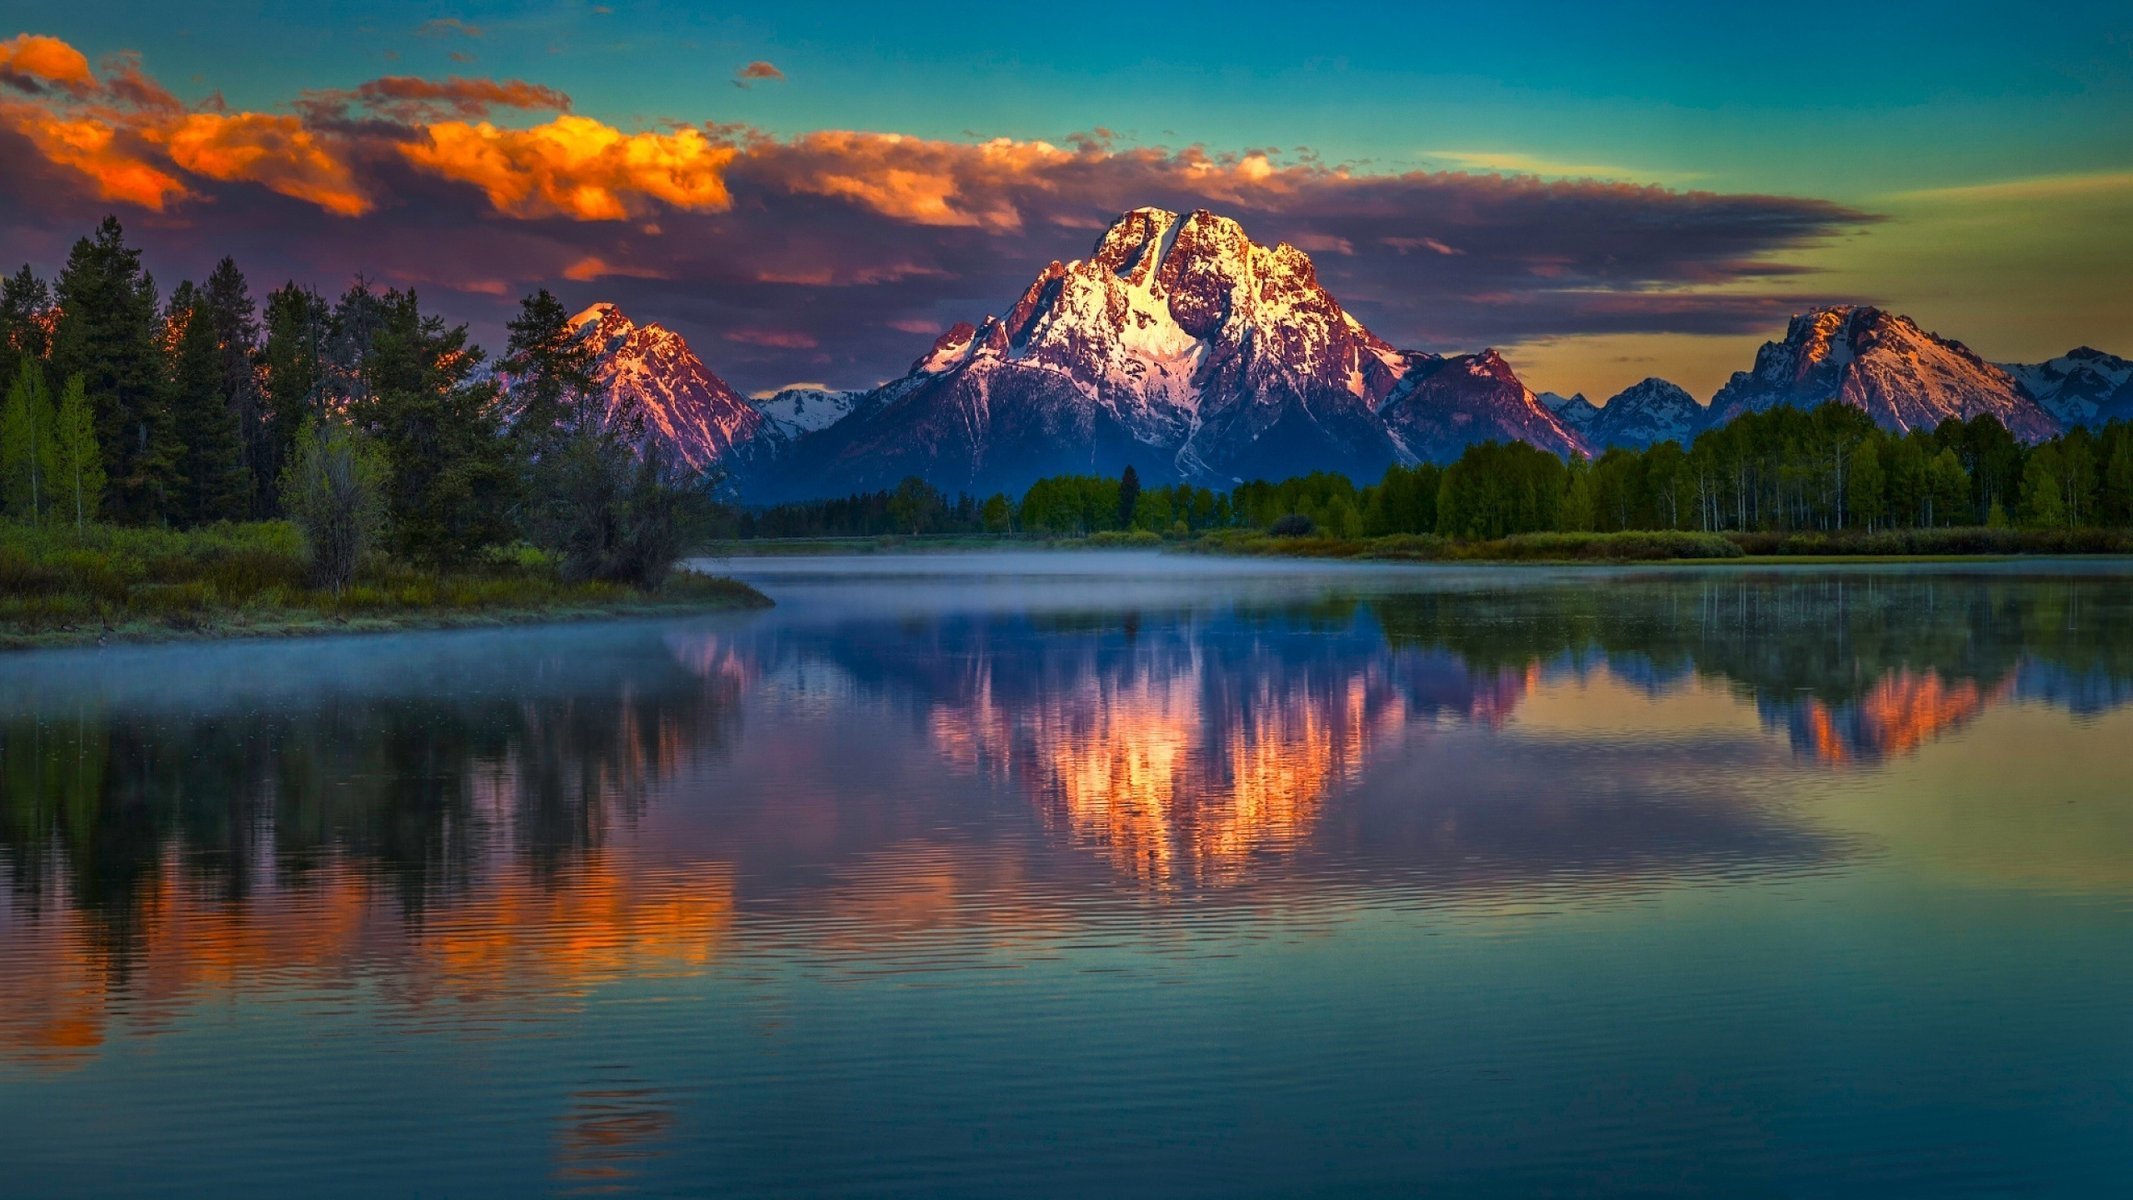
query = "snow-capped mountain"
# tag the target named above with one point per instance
(649, 369)
(794, 412)
(2083, 386)
(1443, 405)
(1182, 347)
(1574, 410)
(1645, 414)
(1904, 377)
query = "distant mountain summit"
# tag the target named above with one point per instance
(1645, 414)
(650, 369)
(1884, 365)
(1182, 347)
(2084, 386)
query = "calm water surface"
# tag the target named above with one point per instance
(1094, 875)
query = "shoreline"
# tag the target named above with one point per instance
(1657, 548)
(723, 595)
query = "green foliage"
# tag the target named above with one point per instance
(59, 584)
(609, 515)
(29, 451)
(77, 463)
(334, 488)
(293, 368)
(1497, 489)
(108, 332)
(212, 483)
(550, 371)
(415, 391)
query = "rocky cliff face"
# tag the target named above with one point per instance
(1885, 365)
(649, 370)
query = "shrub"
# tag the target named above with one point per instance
(334, 489)
(1293, 525)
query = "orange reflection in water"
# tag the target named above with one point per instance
(1182, 776)
(1903, 711)
(514, 940)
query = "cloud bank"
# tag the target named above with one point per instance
(819, 255)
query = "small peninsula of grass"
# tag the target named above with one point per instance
(108, 583)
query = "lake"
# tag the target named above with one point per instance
(1095, 874)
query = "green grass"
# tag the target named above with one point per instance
(125, 584)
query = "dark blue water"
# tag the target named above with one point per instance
(1094, 875)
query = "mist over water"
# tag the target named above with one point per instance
(1066, 874)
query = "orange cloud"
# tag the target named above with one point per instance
(32, 62)
(592, 267)
(276, 152)
(577, 167)
(112, 165)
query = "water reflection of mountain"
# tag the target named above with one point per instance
(1852, 666)
(460, 816)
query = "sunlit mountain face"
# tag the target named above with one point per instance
(456, 829)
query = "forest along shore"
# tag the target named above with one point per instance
(60, 587)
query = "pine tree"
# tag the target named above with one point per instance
(1129, 496)
(236, 326)
(27, 430)
(212, 483)
(451, 486)
(77, 463)
(551, 374)
(299, 329)
(25, 310)
(108, 333)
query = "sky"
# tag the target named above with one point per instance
(809, 192)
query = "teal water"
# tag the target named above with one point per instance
(1069, 875)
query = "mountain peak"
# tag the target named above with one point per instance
(650, 371)
(599, 313)
(1884, 364)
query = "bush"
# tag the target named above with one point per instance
(1124, 537)
(611, 515)
(334, 489)
(1293, 525)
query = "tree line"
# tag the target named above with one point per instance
(373, 424)
(1825, 469)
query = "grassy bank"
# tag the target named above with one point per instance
(123, 584)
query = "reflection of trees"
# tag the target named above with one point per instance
(1853, 664)
(414, 791)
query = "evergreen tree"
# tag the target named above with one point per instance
(108, 334)
(550, 370)
(212, 482)
(450, 487)
(25, 309)
(1129, 496)
(293, 362)
(77, 462)
(28, 429)
(236, 327)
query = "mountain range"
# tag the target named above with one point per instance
(1187, 350)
